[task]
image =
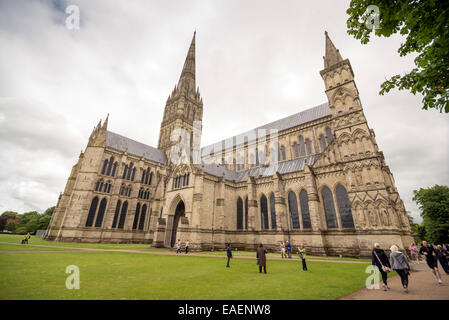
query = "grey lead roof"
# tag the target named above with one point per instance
(294, 120)
(284, 167)
(121, 143)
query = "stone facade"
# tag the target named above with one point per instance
(315, 178)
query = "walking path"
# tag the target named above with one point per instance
(422, 286)
(147, 251)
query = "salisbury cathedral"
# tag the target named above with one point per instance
(315, 178)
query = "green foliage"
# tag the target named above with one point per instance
(11, 226)
(434, 205)
(21, 229)
(424, 23)
(9, 214)
(28, 216)
(49, 211)
(44, 221)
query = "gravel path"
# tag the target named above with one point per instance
(422, 286)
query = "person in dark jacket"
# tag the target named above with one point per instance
(442, 256)
(289, 250)
(431, 259)
(261, 258)
(400, 264)
(229, 254)
(380, 260)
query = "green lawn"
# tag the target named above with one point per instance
(38, 241)
(13, 247)
(117, 275)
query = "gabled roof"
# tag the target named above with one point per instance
(121, 143)
(294, 120)
(283, 167)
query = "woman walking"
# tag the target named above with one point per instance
(380, 260)
(414, 253)
(400, 264)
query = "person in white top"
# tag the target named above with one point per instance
(282, 250)
(178, 246)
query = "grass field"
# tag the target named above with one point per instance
(121, 275)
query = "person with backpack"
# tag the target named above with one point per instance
(400, 264)
(380, 260)
(302, 256)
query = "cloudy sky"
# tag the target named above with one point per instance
(257, 61)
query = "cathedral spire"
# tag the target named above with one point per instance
(333, 56)
(188, 71)
(105, 123)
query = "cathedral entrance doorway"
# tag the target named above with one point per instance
(179, 212)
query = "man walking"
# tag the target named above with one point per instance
(302, 256)
(229, 254)
(431, 259)
(261, 258)
(289, 250)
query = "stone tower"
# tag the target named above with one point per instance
(183, 111)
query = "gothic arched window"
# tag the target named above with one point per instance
(111, 161)
(329, 208)
(239, 213)
(151, 177)
(323, 143)
(101, 211)
(304, 203)
(117, 211)
(114, 169)
(246, 213)
(264, 212)
(105, 165)
(329, 135)
(130, 169)
(92, 210)
(273, 211)
(293, 207)
(302, 146)
(344, 207)
(142, 180)
(136, 216)
(142, 217)
(309, 146)
(125, 171)
(133, 174)
(296, 149)
(121, 222)
(283, 153)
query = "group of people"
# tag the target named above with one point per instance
(178, 246)
(286, 247)
(398, 261)
(262, 258)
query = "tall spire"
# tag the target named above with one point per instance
(333, 56)
(188, 71)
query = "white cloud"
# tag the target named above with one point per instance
(257, 61)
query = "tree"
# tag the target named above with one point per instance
(425, 25)
(27, 216)
(3, 222)
(434, 205)
(44, 221)
(11, 226)
(49, 211)
(9, 214)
